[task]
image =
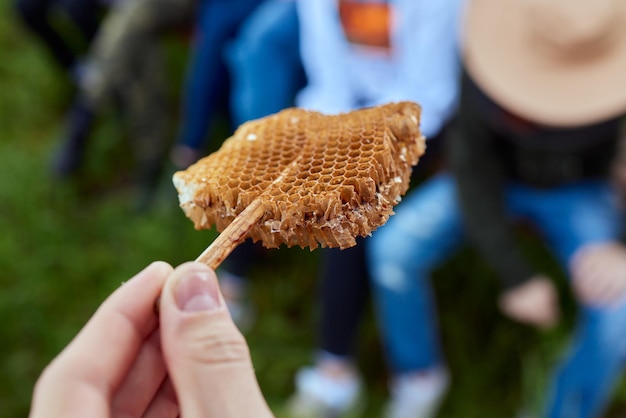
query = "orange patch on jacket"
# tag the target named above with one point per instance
(366, 23)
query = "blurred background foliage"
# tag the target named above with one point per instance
(64, 246)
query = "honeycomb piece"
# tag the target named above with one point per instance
(320, 179)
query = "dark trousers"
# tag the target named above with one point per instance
(344, 288)
(84, 14)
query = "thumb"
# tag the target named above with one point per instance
(207, 357)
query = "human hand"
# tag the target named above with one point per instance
(187, 360)
(534, 302)
(599, 273)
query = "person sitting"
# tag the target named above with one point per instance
(539, 125)
(125, 66)
(358, 54)
(536, 131)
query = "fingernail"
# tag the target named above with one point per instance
(197, 291)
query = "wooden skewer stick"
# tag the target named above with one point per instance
(339, 177)
(236, 231)
(232, 235)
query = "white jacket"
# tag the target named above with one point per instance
(422, 64)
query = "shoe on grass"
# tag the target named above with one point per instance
(417, 395)
(321, 396)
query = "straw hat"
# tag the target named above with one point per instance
(556, 62)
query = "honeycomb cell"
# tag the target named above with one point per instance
(322, 179)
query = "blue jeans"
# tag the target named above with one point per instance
(207, 78)
(264, 62)
(423, 233)
(427, 229)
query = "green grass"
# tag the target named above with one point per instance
(65, 246)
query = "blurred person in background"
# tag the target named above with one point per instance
(265, 72)
(41, 17)
(207, 87)
(264, 62)
(536, 131)
(126, 67)
(359, 54)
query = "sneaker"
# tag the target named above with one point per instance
(321, 396)
(417, 396)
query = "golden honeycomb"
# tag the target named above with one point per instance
(321, 179)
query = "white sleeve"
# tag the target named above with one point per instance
(426, 39)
